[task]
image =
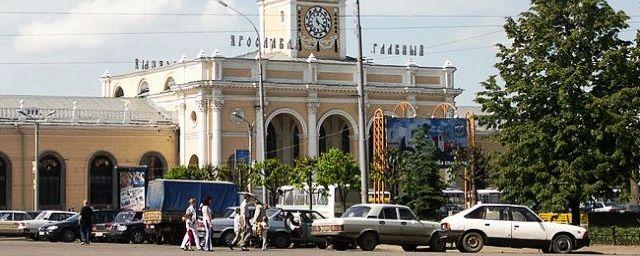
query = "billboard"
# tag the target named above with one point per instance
(448, 134)
(132, 185)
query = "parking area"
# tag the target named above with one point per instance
(23, 247)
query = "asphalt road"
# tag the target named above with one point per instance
(21, 247)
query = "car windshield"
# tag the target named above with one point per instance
(356, 212)
(40, 216)
(125, 217)
(5, 215)
(73, 218)
(227, 213)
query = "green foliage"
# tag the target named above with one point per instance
(396, 167)
(556, 153)
(340, 169)
(271, 174)
(302, 176)
(421, 184)
(473, 161)
(221, 173)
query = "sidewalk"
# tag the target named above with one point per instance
(595, 249)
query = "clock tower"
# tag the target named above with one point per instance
(298, 28)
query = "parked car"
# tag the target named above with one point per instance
(510, 226)
(102, 222)
(368, 225)
(607, 207)
(10, 221)
(29, 228)
(128, 227)
(65, 231)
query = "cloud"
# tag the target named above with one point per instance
(72, 24)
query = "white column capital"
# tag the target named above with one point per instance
(202, 105)
(216, 104)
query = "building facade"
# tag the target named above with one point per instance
(310, 88)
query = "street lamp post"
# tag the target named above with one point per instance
(362, 139)
(33, 116)
(251, 127)
(260, 89)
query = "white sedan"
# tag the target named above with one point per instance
(510, 226)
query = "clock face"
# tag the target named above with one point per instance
(318, 22)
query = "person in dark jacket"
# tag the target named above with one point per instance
(86, 213)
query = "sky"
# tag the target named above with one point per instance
(33, 61)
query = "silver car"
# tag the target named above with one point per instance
(368, 225)
(10, 221)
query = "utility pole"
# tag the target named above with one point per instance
(362, 138)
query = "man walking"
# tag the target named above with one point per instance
(246, 229)
(86, 213)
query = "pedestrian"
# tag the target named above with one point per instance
(238, 223)
(188, 222)
(86, 214)
(264, 228)
(191, 211)
(206, 219)
(246, 227)
(293, 226)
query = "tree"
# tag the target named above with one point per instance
(302, 177)
(392, 176)
(544, 104)
(276, 174)
(339, 169)
(421, 186)
(470, 165)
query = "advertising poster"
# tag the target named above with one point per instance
(448, 134)
(132, 186)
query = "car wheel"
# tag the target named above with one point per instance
(137, 236)
(562, 244)
(437, 244)
(322, 245)
(340, 246)
(68, 236)
(409, 247)
(227, 237)
(368, 241)
(281, 240)
(472, 242)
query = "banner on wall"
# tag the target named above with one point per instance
(132, 184)
(448, 134)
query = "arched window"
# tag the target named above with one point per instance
(50, 171)
(296, 143)
(101, 177)
(346, 147)
(143, 89)
(272, 142)
(119, 92)
(156, 165)
(193, 161)
(5, 171)
(170, 82)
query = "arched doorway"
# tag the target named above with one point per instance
(193, 161)
(101, 179)
(156, 165)
(51, 177)
(336, 132)
(5, 183)
(284, 131)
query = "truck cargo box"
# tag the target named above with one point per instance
(173, 195)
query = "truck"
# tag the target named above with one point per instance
(167, 201)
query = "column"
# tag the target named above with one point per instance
(260, 139)
(216, 130)
(202, 135)
(183, 126)
(312, 132)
